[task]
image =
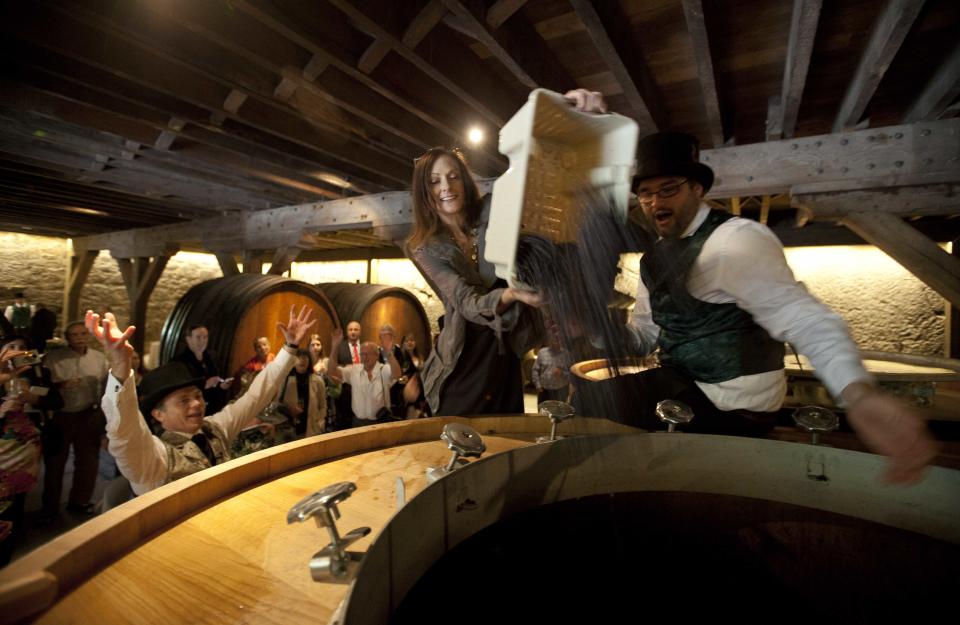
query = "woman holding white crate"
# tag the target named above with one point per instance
(475, 368)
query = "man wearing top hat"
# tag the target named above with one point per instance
(191, 441)
(718, 299)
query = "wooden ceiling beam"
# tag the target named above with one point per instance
(233, 188)
(600, 35)
(148, 182)
(260, 230)
(55, 180)
(258, 77)
(218, 155)
(268, 16)
(903, 201)
(251, 82)
(891, 28)
(501, 10)
(26, 211)
(803, 32)
(153, 161)
(878, 157)
(517, 45)
(138, 58)
(942, 89)
(92, 89)
(697, 29)
(458, 85)
(925, 259)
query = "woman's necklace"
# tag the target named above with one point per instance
(469, 248)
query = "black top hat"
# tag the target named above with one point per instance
(671, 154)
(164, 380)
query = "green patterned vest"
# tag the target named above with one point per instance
(710, 342)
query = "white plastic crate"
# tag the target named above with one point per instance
(555, 151)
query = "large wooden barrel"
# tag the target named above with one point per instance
(374, 305)
(228, 526)
(238, 309)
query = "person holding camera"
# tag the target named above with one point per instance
(28, 392)
(369, 380)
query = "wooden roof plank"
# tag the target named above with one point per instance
(517, 45)
(614, 62)
(939, 91)
(450, 83)
(803, 32)
(94, 93)
(501, 10)
(270, 18)
(697, 29)
(146, 60)
(889, 31)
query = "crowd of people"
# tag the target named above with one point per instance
(183, 416)
(716, 303)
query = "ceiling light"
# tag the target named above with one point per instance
(85, 211)
(475, 136)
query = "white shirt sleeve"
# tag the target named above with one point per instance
(262, 391)
(754, 271)
(141, 456)
(641, 328)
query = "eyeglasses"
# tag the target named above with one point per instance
(646, 197)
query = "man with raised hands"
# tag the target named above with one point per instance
(190, 440)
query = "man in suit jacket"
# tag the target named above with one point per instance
(347, 353)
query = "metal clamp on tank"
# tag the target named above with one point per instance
(333, 563)
(464, 442)
(674, 413)
(815, 420)
(557, 412)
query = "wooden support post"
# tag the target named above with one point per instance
(78, 270)
(902, 242)
(252, 262)
(283, 259)
(765, 209)
(735, 205)
(951, 347)
(228, 264)
(140, 277)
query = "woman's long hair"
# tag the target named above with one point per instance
(426, 221)
(416, 348)
(316, 337)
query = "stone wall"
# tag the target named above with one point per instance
(36, 265)
(886, 307)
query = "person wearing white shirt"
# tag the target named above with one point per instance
(369, 380)
(718, 299)
(191, 441)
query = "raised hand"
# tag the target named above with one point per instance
(116, 346)
(386, 343)
(586, 101)
(298, 326)
(336, 337)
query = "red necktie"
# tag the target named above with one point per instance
(356, 355)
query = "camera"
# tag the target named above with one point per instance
(30, 358)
